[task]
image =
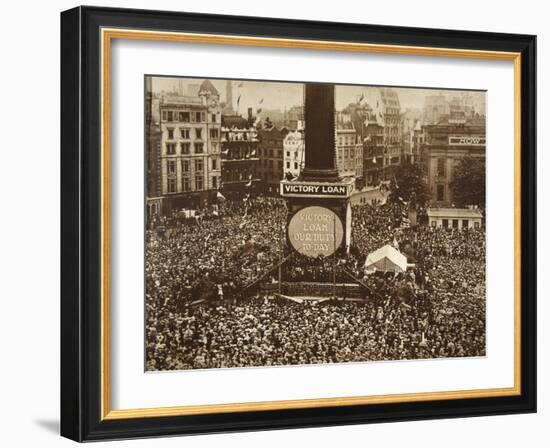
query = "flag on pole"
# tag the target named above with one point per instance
(374, 160)
(249, 184)
(220, 196)
(261, 101)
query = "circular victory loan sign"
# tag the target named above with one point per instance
(315, 231)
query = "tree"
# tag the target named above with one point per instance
(409, 185)
(468, 185)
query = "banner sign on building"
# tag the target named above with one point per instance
(316, 189)
(466, 140)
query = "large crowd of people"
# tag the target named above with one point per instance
(205, 307)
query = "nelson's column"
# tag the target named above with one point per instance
(319, 220)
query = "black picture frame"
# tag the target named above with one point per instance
(81, 224)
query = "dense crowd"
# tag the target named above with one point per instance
(203, 309)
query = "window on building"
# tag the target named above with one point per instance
(170, 149)
(164, 115)
(214, 133)
(185, 133)
(199, 148)
(184, 117)
(170, 116)
(170, 133)
(171, 167)
(434, 223)
(476, 224)
(441, 192)
(185, 148)
(186, 184)
(199, 165)
(445, 223)
(213, 118)
(287, 165)
(198, 117)
(214, 164)
(185, 166)
(464, 223)
(199, 183)
(455, 223)
(215, 182)
(440, 167)
(295, 165)
(198, 133)
(288, 153)
(171, 185)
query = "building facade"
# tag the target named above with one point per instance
(153, 174)
(372, 136)
(271, 158)
(349, 149)
(293, 153)
(190, 161)
(445, 145)
(239, 156)
(383, 138)
(455, 218)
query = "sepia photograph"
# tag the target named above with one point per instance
(296, 223)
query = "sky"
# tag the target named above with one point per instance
(281, 95)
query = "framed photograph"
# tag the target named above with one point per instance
(277, 224)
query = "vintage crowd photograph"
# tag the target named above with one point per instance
(305, 223)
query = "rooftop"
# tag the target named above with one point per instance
(454, 213)
(207, 86)
(235, 121)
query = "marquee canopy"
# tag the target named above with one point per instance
(386, 259)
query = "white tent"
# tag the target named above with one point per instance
(386, 258)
